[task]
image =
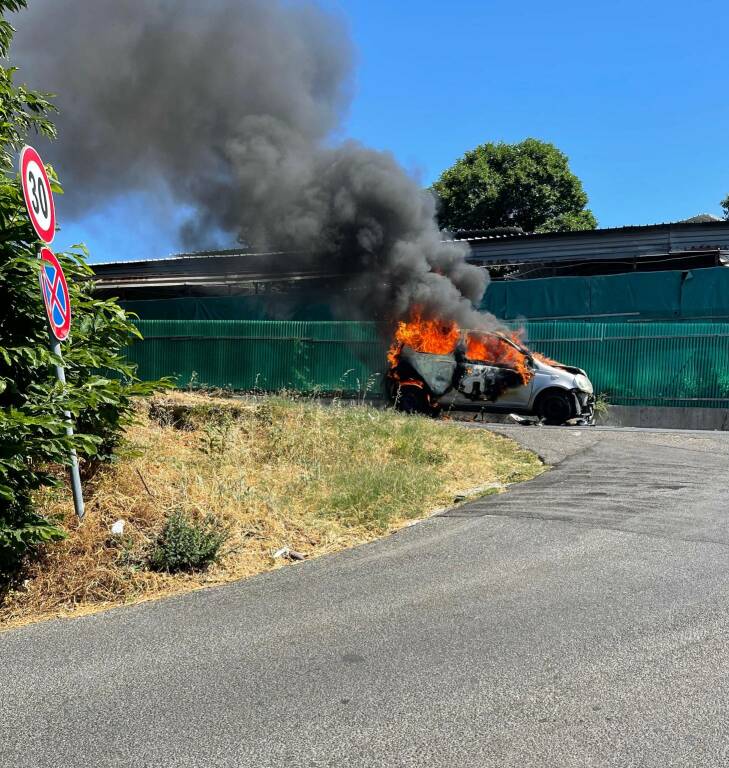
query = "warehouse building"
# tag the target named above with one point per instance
(660, 271)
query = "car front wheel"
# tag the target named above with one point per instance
(555, 407)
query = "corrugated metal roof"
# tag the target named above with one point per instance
(631, 242)
(617, 243)
(196, 255)
(688, 224)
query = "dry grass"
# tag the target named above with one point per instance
(277, 471)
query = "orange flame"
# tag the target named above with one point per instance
(492, 348)
(434, 336)
(544, 359)
(441, 337)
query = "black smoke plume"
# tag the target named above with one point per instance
(232, 108)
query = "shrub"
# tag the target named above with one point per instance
(602, 405)
(188, 545)
(101, 384)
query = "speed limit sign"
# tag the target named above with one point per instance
(38, 195)
(39, 202)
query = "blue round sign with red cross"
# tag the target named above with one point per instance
(55, 294)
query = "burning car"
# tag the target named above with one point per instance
(435, 365)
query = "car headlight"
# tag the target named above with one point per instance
(583, 383)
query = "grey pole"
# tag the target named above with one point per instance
(78, 498)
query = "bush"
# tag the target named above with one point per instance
(188, 545)
(101, 384)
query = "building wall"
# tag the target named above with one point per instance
(692, 294)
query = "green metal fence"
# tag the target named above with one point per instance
(672, 364)
(260, 354)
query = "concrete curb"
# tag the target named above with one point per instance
(666, 418)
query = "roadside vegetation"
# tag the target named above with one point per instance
(101, 383)
(211, 489)
(602, 405)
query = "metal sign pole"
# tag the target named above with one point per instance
(38, 197)
(78, 498)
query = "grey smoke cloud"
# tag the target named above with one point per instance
(234, 108)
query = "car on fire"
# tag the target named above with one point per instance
(518, 382)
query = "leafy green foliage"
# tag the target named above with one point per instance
(725, 206)
(186, 544)
(101, 384)
(528, 184)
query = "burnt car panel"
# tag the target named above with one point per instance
(553, 392)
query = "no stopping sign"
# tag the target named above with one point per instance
(55, 294)
(38, 195)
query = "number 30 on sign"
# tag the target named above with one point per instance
(38, 194)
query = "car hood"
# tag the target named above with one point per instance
(557, 370)
(570, 369)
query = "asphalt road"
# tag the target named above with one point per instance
(578, 620)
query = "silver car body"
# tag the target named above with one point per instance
(437, 371)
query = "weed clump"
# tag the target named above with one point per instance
(185, 544)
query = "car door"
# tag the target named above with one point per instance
(516, 397)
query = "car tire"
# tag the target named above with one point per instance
(411, 399)
(555, 407)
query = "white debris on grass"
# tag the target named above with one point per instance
(288, 553)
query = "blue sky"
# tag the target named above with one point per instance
(634, 92)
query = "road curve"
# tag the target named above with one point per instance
(578, 620)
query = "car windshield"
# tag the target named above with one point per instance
(512, 343)
(505, 339)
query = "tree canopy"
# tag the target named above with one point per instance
(529, 185)
(725, 206)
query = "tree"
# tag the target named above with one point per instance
(101, 385)
(528, 184)
(725, 206)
